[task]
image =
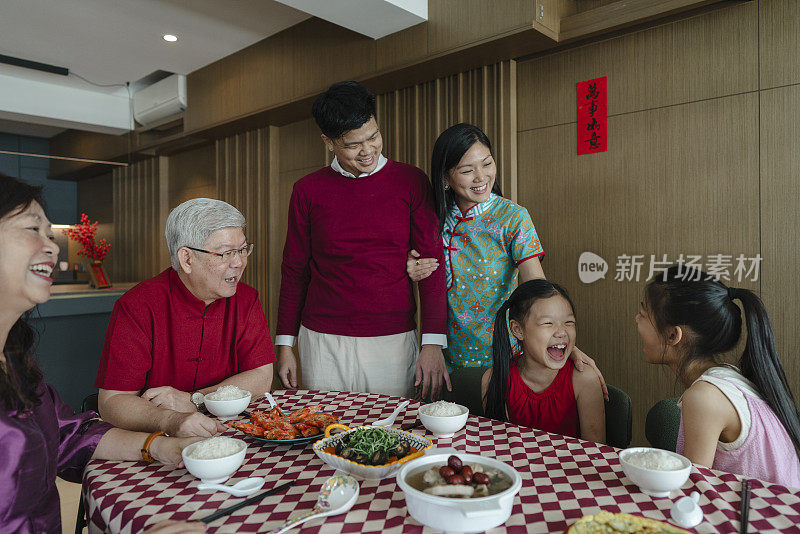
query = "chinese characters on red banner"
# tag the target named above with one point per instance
(592, 116)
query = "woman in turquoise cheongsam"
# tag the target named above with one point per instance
(490, 244)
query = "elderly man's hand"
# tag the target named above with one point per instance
(431, 370)
(170, 398)
(167, 450)
(192, 424)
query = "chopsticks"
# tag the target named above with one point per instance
(744, 507)
(230, 509)
(411, 426)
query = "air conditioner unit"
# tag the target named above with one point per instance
(162, 99)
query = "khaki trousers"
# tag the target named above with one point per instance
(382, 364)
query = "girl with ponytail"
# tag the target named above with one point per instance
(737, 419)
(540, 387)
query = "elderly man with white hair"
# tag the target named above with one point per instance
(188, 330)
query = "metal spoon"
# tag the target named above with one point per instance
(243, 488)
(389, 421)
(338, 495)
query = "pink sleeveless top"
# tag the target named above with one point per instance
(552, 410)
(766, 453)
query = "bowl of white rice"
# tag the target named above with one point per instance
(227, 402)
(443, 418)
(655, 471)
(214, 460)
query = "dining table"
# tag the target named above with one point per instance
(563, 479)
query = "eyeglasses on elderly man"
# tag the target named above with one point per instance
(229, 255)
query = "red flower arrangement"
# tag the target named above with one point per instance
(84, 234)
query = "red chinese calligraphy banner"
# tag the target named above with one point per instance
(592, 116)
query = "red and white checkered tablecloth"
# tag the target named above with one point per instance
(563, 479)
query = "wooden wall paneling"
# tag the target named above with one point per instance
(571, 7)
(300, 146)
(401, 47)
(323, 53)
(275, 238)
(617, 15)
(780, 220)
(281, 195)
(655, 67)
(214, 91)
(162, 211)
(681, 179)
(507, 136)
(242, 181)
(136, 209)
(453, 23)
(411, 119)
(779, 44)
(192, 175)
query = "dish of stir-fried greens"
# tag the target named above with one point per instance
(372, 446)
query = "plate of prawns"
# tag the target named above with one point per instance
(276, 426)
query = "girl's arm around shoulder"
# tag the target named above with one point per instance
(485, 379)
(706, 412)
(591, 406)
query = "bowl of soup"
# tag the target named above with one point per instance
(452, 499)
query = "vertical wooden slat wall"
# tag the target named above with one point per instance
(243, 174)
(412, 118)
(136, 191)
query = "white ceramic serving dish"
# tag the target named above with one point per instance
(655, 482)
(458, 515)
(367, 472)
(227, 409)
(443, 426)
(217, 470)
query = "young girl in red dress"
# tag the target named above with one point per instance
(540, 387)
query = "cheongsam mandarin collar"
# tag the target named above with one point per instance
(181, 296)
(475, 211)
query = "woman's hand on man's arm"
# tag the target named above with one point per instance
(419, 268)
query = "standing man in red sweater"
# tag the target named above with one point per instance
(344, 287)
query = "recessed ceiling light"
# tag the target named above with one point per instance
(170, 38)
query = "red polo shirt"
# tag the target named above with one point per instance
(160, 334)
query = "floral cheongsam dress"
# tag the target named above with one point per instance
(482, 249)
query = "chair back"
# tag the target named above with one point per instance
(89, 404)
(662, 423)
(619, 418)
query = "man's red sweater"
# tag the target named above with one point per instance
(344, 262)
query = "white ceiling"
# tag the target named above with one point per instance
(115, 41)
(105, 43)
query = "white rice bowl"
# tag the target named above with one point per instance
(226, 393)
(214, 460)
(215, 448)
(442, 409)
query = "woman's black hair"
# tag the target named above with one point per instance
(712, 325)
(448, 150)
(344, 106)
(20, 377)
(518, 307)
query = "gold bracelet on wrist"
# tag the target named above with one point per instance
(146, 456)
